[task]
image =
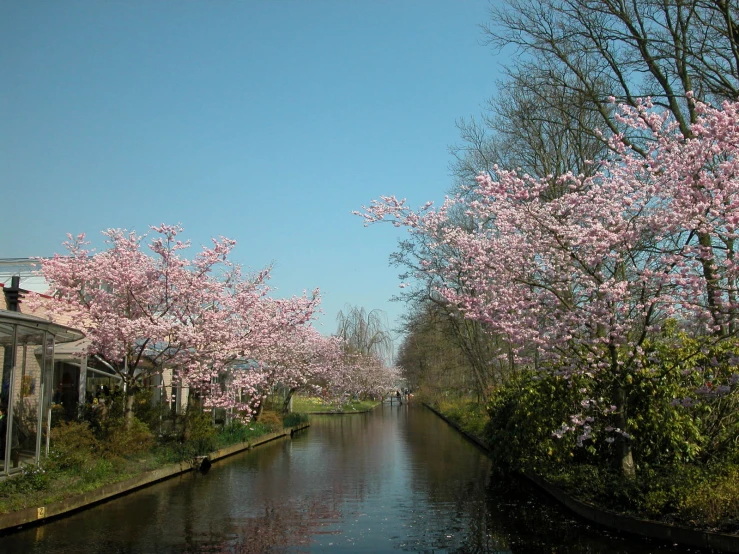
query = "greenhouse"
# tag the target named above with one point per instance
(27, 357)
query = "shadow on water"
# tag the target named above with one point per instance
(533, 522)
(398, 479)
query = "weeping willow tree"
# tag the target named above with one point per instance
(365, 333)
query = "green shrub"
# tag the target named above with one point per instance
(233, 433)
(294, 419)
(32, 478)
(524, 414)
(236, 432)
(715, 501)
(121, 442)
(73, 446)
(151, 412)
(201, 434)
(271, 420)
(677, 367)
(174, 452)
(100, 471)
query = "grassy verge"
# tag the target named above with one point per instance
(699, 496)
(469, 415)
(312, 404)
(80, 462)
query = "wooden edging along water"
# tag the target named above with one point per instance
(40, 514)
(637, 526)
(721, 542)
(468, 436)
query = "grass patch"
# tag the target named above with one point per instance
(39, 485)
(469, 415)
(293, 419)
(81, 462)
(312, 404)
(702, 496)
(690, 495)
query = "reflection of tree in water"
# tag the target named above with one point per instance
(287, 526)
(534, 523)
(511, 516)
(355, 466)
(438, 484)
(479, 536)
(446, 464)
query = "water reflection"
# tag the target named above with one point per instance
(395, 480)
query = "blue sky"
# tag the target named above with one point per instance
(264, 121)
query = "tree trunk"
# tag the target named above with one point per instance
(286, 403)
(128, 410)
(260, 407)
(713, 290)
(628, 468)
(626, 461)
(621, 398)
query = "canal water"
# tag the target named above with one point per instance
(397, 479)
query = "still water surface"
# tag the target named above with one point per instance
(397, 479)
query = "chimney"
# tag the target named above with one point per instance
(13, 294)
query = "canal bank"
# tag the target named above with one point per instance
(40, 514)
(720, 542)
(397, 479)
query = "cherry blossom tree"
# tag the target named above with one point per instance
(137, 309)
(366, 376)
(221, 331)
(238, 341)
(577, 283)
(285, 353)
(304, 360)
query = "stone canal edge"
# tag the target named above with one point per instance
(40, 514)
(720, 542)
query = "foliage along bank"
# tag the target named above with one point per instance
(613, 297)
(100, 449)
(583, 275)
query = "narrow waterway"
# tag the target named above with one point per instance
(395, 479)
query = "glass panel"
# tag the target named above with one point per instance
(25, 396)
(47, 391)
(65, 391)
(6, 370)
